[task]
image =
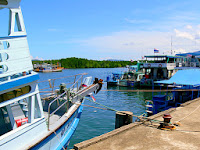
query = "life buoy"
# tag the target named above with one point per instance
(149, 65)
(160, 65)
(21, 121)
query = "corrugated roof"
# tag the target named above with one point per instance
(197, 53)
(161, 56)
(184, 77)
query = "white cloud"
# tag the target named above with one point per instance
(105, 58)
(179, 50)
(186, 35)
(126, 45)
(129, 45)
(36, 58)
(189, 27)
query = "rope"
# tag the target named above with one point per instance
(95, 107)
(108, 108)
(186, 131)
(189, 114)
(59, 140)
(154, 126)
(155, 90)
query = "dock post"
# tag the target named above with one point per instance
(123, 118)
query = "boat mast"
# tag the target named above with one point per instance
(171, 45)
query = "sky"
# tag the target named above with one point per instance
(109, 29)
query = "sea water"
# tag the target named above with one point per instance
(94, 121)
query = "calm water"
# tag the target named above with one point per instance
(95, 121)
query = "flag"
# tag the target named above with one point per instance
(156, 50)
(84, 85)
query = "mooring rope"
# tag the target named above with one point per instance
(95, 107)
(154, 90)
(189, 114)
(111, 109)
(59, 140)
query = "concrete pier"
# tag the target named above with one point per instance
(145, 135)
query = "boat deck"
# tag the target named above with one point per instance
(18, 114)
(53, 118)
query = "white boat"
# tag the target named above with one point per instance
(24, 121)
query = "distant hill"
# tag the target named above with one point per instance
(114, 60)
(74, 62)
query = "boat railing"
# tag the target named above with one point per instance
(74, 87)
(51, 85)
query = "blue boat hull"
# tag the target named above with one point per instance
(60, 139)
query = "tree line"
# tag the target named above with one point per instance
(74, 62)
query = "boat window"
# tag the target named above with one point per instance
(3, 2)
(18, 27)
(17, 114)
(15, 93)
(4, 45)
(37, 113)
(5, 124)
(20, 112)
(3, 69)
(3, 79)
(3, 57)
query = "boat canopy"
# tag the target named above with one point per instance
(197, 53)
(184, 77)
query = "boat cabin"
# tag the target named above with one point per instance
(159, 67)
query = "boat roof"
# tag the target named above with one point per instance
(162, 56)
(197, 53)
(184, 77)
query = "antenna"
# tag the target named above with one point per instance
(171, 45)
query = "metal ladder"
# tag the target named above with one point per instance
(149, 107)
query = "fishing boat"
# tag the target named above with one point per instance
(27, 121)
(130, 78)
(45, 68)
(113, 80)
(158, 67)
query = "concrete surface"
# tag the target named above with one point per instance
(146, 136)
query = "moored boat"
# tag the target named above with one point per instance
(26, 121)
(45, 68)
(184, 86)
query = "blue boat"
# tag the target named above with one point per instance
(113, 80)
(27, 119)
(185, 86)
(130, 78)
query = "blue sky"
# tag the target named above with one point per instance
(110, 29)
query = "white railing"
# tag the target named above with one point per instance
(49, 86)
(159, 65)
(74, 86)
